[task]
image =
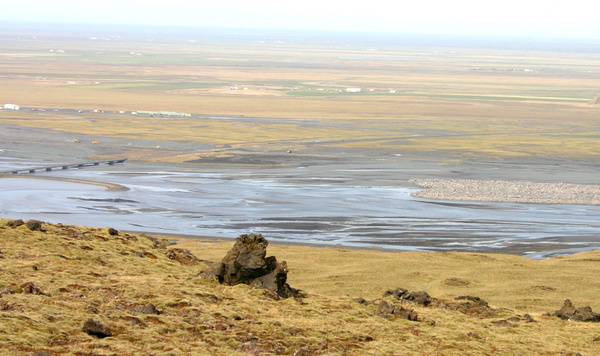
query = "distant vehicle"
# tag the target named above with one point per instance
(11, 107)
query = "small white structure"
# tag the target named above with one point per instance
(11, 107)
(353, 90)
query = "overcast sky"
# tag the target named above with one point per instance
(575, 18)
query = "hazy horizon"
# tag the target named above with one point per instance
(527, 19)
(190, 33)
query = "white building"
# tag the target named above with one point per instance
(353, 90)
(11, 107)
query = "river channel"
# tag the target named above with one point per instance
(296, 205)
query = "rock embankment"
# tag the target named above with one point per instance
(507, 191)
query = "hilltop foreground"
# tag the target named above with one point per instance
(97, 291)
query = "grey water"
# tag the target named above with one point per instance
(294, 206)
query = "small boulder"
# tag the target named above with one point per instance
(421, 298)
(149, 309)
(182, 256)
(34, 225)
(15, 223)
(473, 301)
(397, 293)
(113, 232)
(96, 328)
(31, 288)
(385, 309)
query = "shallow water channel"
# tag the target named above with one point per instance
(287, 207)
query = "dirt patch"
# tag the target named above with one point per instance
(456, 282)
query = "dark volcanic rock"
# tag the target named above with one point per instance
(15, 223)
(182, 256)
(145, 309)
(386, 309)
(421, 298)
(31, 288)
(473, 301)
(34, 225)
(96, 328)
(396, 293)
(569, 312)
(113, 232)
(245, 263)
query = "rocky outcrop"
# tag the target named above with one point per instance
(246, 263)
(96, 328)
(15, 223)
(421, 298)
(570, 312)
(33, 225)
(386, 309)
(182, 256)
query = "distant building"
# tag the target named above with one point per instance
(11, 107)
(353, 90)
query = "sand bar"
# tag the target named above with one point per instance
(508, 191)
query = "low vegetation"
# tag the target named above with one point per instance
(97, 291)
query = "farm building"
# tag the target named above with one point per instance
(353, 90)
(11, 107)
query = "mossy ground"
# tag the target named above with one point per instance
(87, 273)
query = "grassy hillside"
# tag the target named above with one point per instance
(148, 295)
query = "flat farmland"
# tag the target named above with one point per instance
(454, 102)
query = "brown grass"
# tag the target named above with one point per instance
(90, 274)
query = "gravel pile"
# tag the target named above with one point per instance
(508, 191)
